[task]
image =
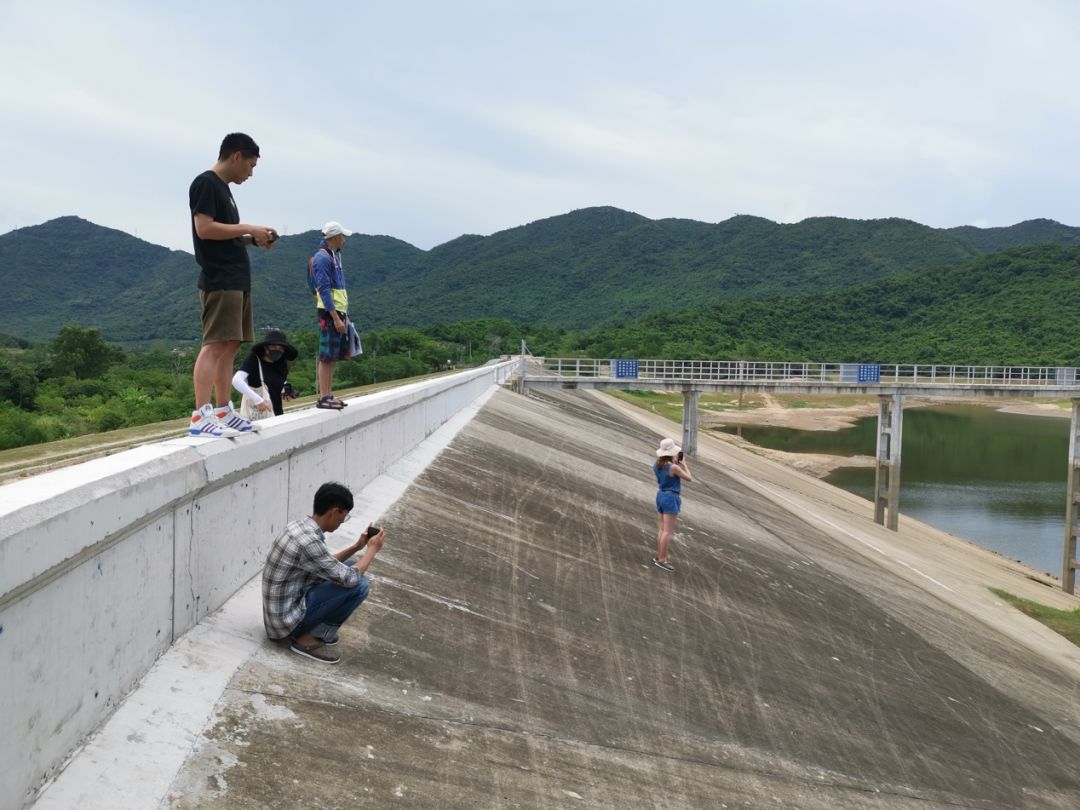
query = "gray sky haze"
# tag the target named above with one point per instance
(427, 120)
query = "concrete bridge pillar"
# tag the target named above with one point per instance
(690, 421)
(887, 473)
(1072, 508)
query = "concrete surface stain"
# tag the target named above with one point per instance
(532, 658)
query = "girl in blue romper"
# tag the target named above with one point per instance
(670, 472)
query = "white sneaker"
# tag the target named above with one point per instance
(204, 423)
(230, 418)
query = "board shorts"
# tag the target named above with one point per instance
(668, 503)
(332, 346)
(226, 315)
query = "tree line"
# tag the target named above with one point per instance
(78, 383)
(591, 267)
(1014, 307)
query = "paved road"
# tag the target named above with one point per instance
(518, 650)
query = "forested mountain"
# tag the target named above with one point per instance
(603, 265)
(588, 268)
(1031, 232)
(1014, 307)
(70, 271)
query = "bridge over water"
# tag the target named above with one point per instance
(889, 382)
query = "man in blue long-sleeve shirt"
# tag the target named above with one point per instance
(332, 304)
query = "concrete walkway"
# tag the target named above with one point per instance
(519, 650)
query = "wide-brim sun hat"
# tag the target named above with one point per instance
(668, 448)
(275, 337)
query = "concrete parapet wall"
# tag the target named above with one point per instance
(105, 564)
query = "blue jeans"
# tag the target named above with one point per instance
(329, 605)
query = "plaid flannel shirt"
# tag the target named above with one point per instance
(298, 560)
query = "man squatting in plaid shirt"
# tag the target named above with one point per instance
(308, 593)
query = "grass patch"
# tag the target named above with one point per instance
(1064, 622)
(820, 401)
(670, 403)
(730, 402)
(666, 403)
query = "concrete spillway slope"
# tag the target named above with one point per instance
(519, 650)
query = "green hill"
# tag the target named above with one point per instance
(602, 265)
(69, 270)
(1014, 307)
(1031, 232)
(588, 268)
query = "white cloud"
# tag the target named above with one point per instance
(428, 120)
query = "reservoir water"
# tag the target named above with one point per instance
(994, 478)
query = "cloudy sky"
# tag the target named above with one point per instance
(426, 120)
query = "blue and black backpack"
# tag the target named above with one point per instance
(311, 269)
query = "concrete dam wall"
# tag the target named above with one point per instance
(103, 565)
(519, 649)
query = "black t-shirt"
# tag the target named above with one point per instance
(276, 375)
(224, 262)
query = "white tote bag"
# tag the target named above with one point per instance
(248, 409)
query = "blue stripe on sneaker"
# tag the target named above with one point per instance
(236, 422)
(206, 428)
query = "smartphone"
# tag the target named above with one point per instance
(372, 530)
(679, 457)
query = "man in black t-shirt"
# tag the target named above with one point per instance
(221, 243)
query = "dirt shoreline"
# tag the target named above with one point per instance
(773, 413)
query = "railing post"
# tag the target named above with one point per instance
(1072, 507)
(881, 454)
(887, 468)
(690, 421)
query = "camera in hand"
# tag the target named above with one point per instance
(680, 456)
(372, 531)
(287, 390)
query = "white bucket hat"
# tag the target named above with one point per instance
(668, 448)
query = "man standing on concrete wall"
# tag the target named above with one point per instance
(221, 243)
(308, 593)
(332, 306)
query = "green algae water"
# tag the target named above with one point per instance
(994, 478)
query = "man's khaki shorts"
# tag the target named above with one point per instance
(226, 315)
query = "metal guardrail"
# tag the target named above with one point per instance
(840, 373)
